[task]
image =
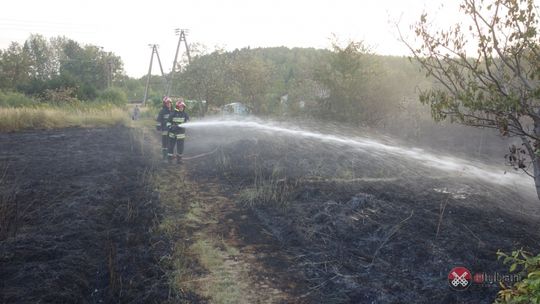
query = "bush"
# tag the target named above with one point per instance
(113, 95)
(60, 96)
(86, 92)
(14, 99)
(155, 100)
(528, 289)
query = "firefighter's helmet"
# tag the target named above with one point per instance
(180, 105)
(167, 101)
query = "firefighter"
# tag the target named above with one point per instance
(177, 134)
(162, 121)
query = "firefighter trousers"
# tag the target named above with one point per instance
(164, 143)
(176, 141)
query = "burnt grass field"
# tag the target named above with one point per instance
(365, 227)
(77, 218)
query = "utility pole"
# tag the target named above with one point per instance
(182, 37)
(109, 78)
(149, 74)
(161, 69)
(154, 50)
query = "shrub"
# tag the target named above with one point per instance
(155, 100)
(528, 289)
(14, 99)
(60, 96)
(113, 95)
(86, 92)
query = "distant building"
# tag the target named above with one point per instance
(235, 108)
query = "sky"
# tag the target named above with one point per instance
(127, 27)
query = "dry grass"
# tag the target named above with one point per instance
(16, 119)
(268, 189)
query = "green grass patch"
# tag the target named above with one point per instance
(223, 284)
(14, 99)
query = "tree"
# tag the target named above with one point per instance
(348, 77)
(253, 75)
(497, 86)
(14, 66)
(90, 67)
(38, 49)
(208, 78)
(62, 64)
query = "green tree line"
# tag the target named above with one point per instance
(347, 83)
(59, 68)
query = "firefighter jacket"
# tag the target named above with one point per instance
(162, 119)
(176, 119)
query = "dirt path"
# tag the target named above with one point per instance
(222, 253)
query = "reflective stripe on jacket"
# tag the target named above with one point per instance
(177, 136)
(163, 117)
(176, 119)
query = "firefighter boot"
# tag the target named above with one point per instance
(178, 159)
(170, 158)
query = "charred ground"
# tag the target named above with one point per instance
(292, 220)
(368, 228)
(78, 218)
